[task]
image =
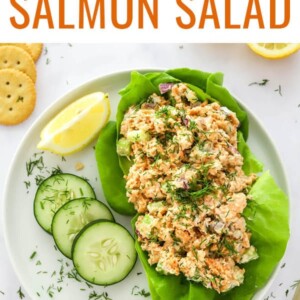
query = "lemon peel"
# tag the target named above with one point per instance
(274, 50)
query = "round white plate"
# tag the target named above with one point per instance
(42, 269)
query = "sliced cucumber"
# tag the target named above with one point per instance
(72, 217)
(103, 252)
(55, 191)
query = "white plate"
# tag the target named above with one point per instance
(48, 272)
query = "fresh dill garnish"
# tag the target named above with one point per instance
(39, 179)
(94, 296)
(56, 171)
(278, 90)
(32, 164)
(33, 255)
(27, 184)
(136, 291)
(74, 275)
(20, 293)
(89, 285)
(2, 293)
(48, 61)
(283, 265)
(295, 284)
(261, 83)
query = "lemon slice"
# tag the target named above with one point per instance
(77, 125)
(274, 50)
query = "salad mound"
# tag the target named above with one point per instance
(188, 172)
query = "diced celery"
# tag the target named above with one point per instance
(138, 136)
(123, 147)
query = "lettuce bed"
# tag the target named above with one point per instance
(266, 215)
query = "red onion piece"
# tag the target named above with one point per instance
(165, 87)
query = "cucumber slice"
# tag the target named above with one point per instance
(103, 252)
(55, 191)
(72, 217)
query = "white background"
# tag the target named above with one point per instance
(168, 30)
(63, 67)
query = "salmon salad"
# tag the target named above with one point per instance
(188, 186)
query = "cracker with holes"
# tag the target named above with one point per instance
(17, 96)
(17, 58)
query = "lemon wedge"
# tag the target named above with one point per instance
(76, 125)
(274, 50)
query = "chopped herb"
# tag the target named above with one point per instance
(38, 263)
(282, 266)
(70, 45)
(27, 184)
(20, 99)
(74, 275)
(2, 293)
(63, 158)
(39, 179)
(94, 296)
(261, 83)
(286, 292)
(278, 90)
(20, 293)
(48, 61)
(139, 273)
(32, 256)
(45, 51)
(295, 284)
(136, 291)
(56, 171)
(89, 285)
(32, 164)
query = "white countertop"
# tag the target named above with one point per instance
(63, 67)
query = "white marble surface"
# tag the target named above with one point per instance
(65, 66)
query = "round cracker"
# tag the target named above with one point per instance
(35, 50)
(20, 45)
(17, 96)
(17, 58)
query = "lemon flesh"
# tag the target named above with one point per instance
(77, 125)
(274, 50)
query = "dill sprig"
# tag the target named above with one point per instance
(261, 83)
(20, 293)
(32, 164)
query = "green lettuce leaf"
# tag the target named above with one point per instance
(251, 163)
(111, 176)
